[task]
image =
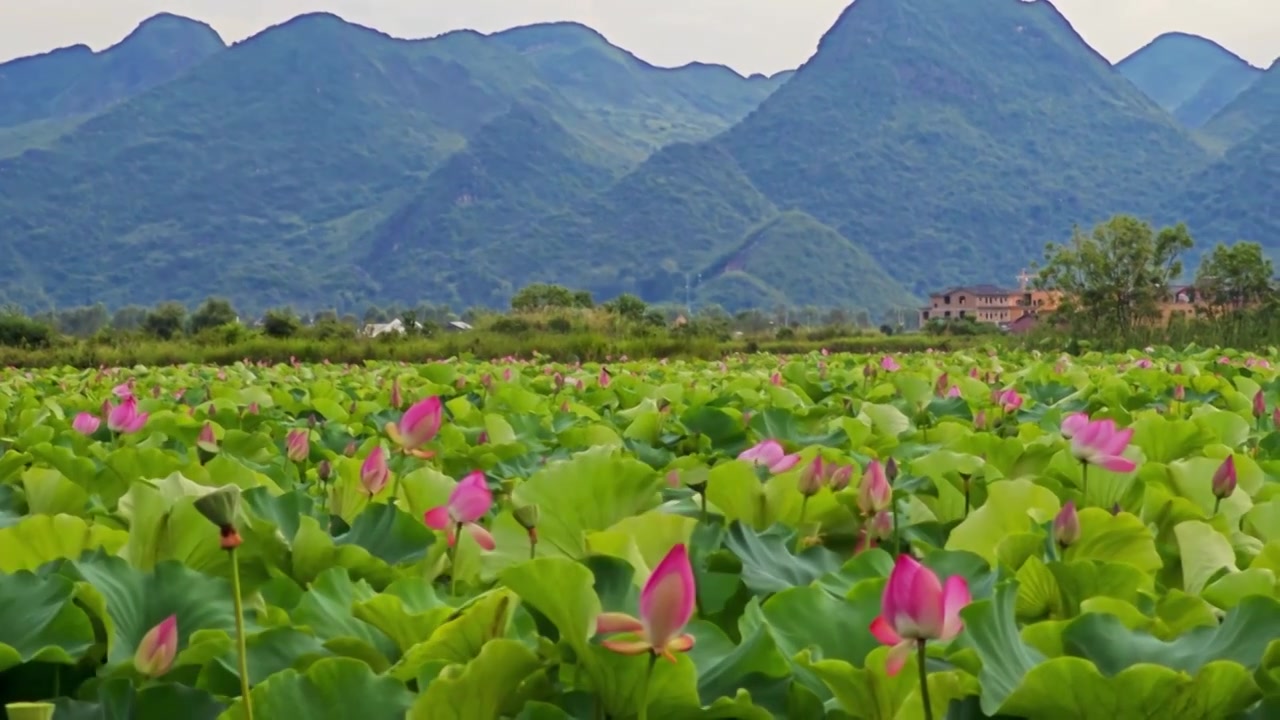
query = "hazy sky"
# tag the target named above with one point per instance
(749, 35)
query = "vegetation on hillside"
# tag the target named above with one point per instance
(1250, 112)
(1189, 76)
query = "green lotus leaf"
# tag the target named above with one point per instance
(37, 539)
(330, 689)
(388, 534)
(1205, 552)
(1012, 507)
(1165, 440)
(48, 492)
(461, 636)
(591, 491)
(269, 652)
(326, 608)
(41, 621)
(724, 668)
(872, 694)
(118, 698)
(768, 564)
(407, 612)
(486, 687)
(1119, 538)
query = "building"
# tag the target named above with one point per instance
(989, 303)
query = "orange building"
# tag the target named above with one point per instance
(989, 303)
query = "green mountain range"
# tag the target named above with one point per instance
(320, 163)
(1191, 77)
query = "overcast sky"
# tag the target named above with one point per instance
(748, 35)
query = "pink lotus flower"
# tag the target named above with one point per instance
(1143, 363)
(775, 379)
(86, 424)
(125, 418)
(916, 608)
(158, 648)
(604, 378)
(123, 390)
(1074, 423)
(953, 391)
(666, 606)
(1009, 400)
(418, 426)
(1066, 525)
(1179, 393)
(770, 454)
(874, 492)
(469, 501)
(889, 364)
(1224, 478)
(374, 472)
(1259, 404)
(297, 445)
(1101, 443)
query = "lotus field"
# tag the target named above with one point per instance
(960, 535)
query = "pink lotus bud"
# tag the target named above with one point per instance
(86, 424)
(506, 375)
(1224, 478)
(324, 470)
(840, 477)
(207, 440)
(252, 409)
(667, 603)
(917, 606)
(558, 379)
(673, 479)
(888, 364)
(812, 478)
(605, 379)
(940, 385)
(350, 449)
(1066, 525)
(874, 492)
(158, 648)
(1179, 393)
(980, 420)
(1259, 404)
(125, 418)
(297, 445)
(374, 472)
(461, 382)
(776, 379)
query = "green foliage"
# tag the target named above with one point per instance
(1234, 277)
(280, 323)
(1187, 75)
(1117, 276)
(212, 313)
(541, 296)
(1250, 112)
(166, 321)
(19, 331)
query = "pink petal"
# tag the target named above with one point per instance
(784, 464)
(1073, 424)
(471, 498)
(482, 536)
(421, 422)
(437, 518)
(1116, 463)
(898, 656)
(1116, 443)
(883, 631)
(616, 622)
(955, 596)
(666, 603)
(627, 647)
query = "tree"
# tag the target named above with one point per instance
(165, 321)
(1234, 277)
(214, 312)
(541, 296)
(281, 323)
(1117, 276)
(627, 306)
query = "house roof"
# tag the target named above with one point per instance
(984, 289)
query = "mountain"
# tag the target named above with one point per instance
(1249, 112)
(254, 173)
(952, 140)
(1236, 197)
(74, 82)
(1187, 75)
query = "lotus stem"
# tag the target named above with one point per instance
(644, 687)
(533, 544)
(966, 497)
(703, 497)
(241, 649)
(921, 655)
(804, 507)
(1217, 503)
(453, 560)
(1084, 484)
(897, 538)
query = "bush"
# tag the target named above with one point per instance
(23, 332)
(281, 323)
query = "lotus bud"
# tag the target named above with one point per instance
(1224, 478)
(350, 449)
(980, 420)
(840, 477)
(252, 409)
(221, 507)
(891, 470)
(812, 478)
(395, 393)
(881, 525)
(311, 420)
(324, 470)
(527, 516)
(1275, 417)
(1179, 393)
(158, 648)
(207, 441)
(874, 492)
(461, 382)
(87, 424)
(297, 445)
(673, 479)
(1177, 369)
(374, 471)
(1066, 525)
(1259, 404)
(1116, 509)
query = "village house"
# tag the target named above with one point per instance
(989, 303)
